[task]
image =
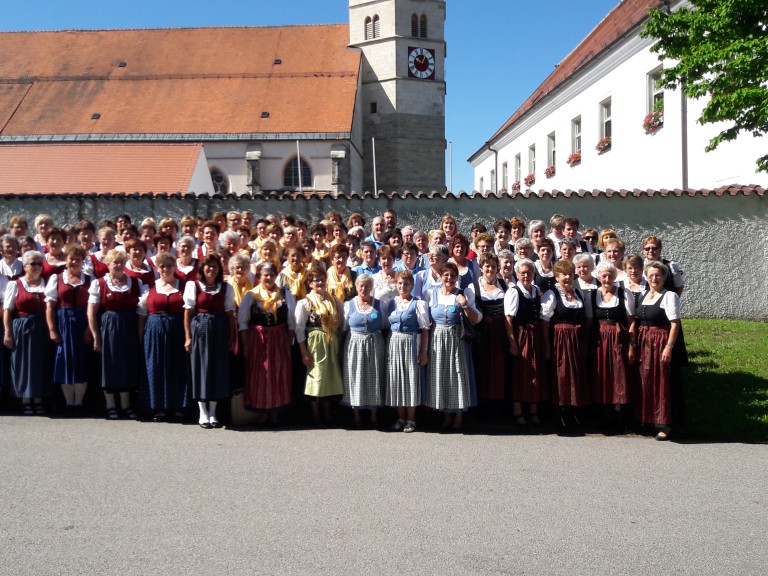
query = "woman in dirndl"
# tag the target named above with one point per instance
(54, 261)
(364, 351)
(660, 353)
(209, 328)
(318, 331)
(563, 307)
(614, 341)
(407, 352)
(266, 324)
(161, 328)
(67, 307)
(26, 335)
(112, 303)
(450, 381)
(525, 332)
(490, 350)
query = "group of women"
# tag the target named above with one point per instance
(514, 321)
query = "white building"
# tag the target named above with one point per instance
(605, 88)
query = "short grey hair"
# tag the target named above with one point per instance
(27, 257)
(505, 254)
(364, 279)
(524, 262)
(440, 249)
(523, 243)
(186, 240)
(240, 259)
(659, 265)
(535, 225)
(605, 266)
(229, 236)
(583, 257)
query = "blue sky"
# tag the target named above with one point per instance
(499, 51)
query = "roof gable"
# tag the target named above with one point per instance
(179, 81)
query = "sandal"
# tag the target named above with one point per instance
(39, 410)
(130, 414)
(410, 426)
(28, 410)
(112, 414)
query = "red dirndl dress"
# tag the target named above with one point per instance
(569, 387)
(529, 380)
(611, 376)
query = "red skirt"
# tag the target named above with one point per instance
(612, 384)
(490, 355)
(655, 406)
(569, 362)
(268, 368)
(529, 380)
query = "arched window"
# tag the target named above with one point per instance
(291, 174)
(376, 26)
(415, 26)
(220, 181)
(368, 28)
(423, 26)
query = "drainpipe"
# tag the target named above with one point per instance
(684, 135)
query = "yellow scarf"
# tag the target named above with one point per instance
(296, 282)
(270, 301)
(340, 286)
(326, 309)
(239, 290)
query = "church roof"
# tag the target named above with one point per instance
(619, 21)
(142, 84)
(56, 169)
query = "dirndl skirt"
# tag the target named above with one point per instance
(450, 384)
(268, 368)
(656, 382)
(120, 359)
(491, 358)
(30, 357)
(70, 364)
(612, 384)
(209, 356)
(529, 374)
(569, 364)
(404, 373)
(364, 375)
(324, 379)
(167, 385)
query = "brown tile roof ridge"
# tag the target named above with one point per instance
(167, 28)
(620, 20)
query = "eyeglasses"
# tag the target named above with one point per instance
(589, 238)
(35, 263)
(651, 248)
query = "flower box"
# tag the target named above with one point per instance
(574, 158)
(549, 171)
(653, 122)
(603, 145)
(530, 180)
(516, 185)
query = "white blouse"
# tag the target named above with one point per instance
(382, 290)
(670, 303)
(450, 300)
(142, 309)
(14, 269)
(191, 290)
(52, 288)
(348, 310)
(629, 301)
(12, 291)
(549, 303)
(94, 292)
(512, 299)
(422, 310)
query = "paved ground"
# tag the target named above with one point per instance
(97, 497)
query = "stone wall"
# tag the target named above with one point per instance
(721, 242)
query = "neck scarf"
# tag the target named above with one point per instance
(238, 290)
(270, 301)
(296, 282)
(326, 309)
(342, 285)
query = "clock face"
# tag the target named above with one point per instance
(421, 63)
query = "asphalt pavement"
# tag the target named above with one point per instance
(96, 497)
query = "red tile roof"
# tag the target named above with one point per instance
(178, 81)
(623, 18)
(55, 169)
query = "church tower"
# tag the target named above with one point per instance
(403, 91)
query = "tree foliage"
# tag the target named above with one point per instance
(721, 51)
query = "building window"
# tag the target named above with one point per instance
(504, 176)
(481, 185)
(605, 119)
(518, 167)
(532, 159)
(493, 180)
(220, 182)
(368, 28)
(376, 26)
(576, 135)
(291, 174)
(551, 156)
(655, 92)
(419, 26)
(374, 107)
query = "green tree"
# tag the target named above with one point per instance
(721, 50)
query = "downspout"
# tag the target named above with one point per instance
(684, 135)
